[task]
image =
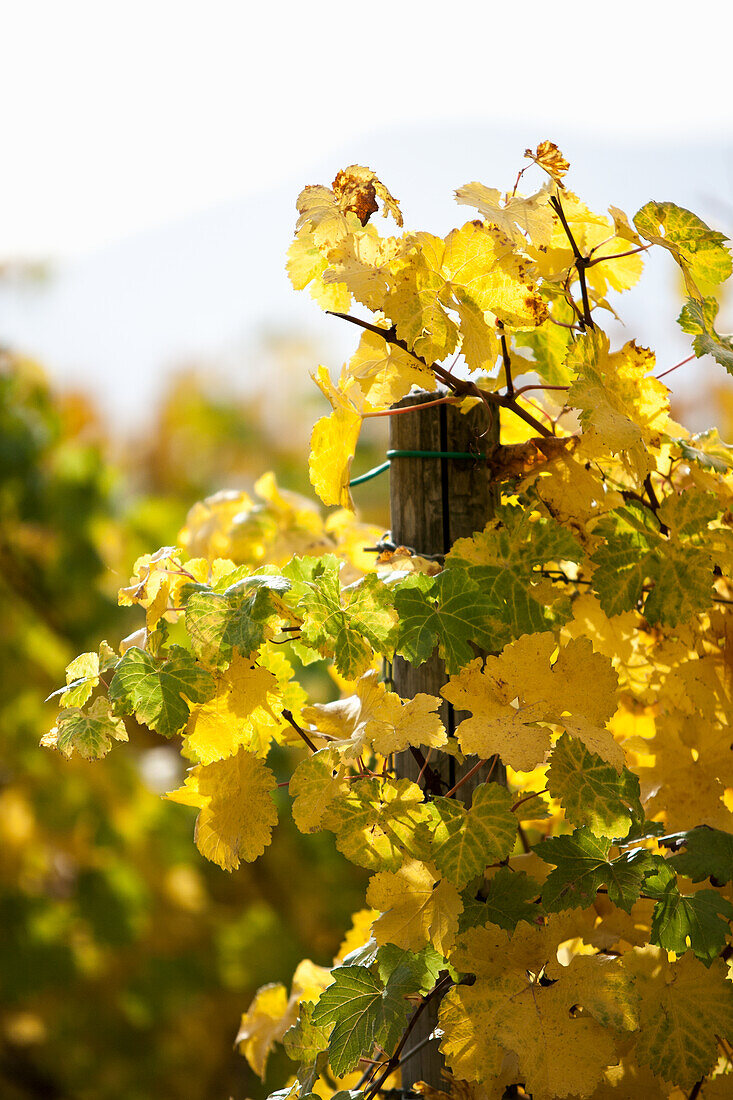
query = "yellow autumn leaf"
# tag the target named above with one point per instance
(376, 719)
(415, 302)
(483, 268)
(548, 156)
(333, 441)
(396, 725)
(236, 811)
(272, 1012)
(359, 933)
(362, 263)
(479, 339)
(417, 907)
(314, 784)
(684, 1006)
(515, 215)
(306, 264)
(262, 1025)
(384, 372)
(624, 408)
(344, 722)
(510, 694)
(217, 728)
(559, 1054)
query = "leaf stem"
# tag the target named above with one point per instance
(448, 400)
(680, 364)
(616, 255)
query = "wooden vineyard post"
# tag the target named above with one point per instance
(435, 501)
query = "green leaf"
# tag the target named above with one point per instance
(707, 450)
(364, 1011)
(511, 896)
(700, 921)
(399, 966)
(241, 616)
(709, 854)
(503, 560)
(89, 733)
(467, 840)
(159, 692)
(698, 249)
(684, 1007)
(377, 822)
(348, 624)
(305, 1040)
(449, 610)
(680, 568)
(699, 318)
(582, 867)
(592, 792)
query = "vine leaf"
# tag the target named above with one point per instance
(159, 692)
(515, 216)
(417, 907)
(348, 624)
(305, 1040)
(698, 249)
(272, 1012)
(376, 719)
(503, 560)
(683, 1006)
(236, 811)
(509, 897)
(700, 921)
(449, 611)
(582, 867)
(244, 693)
(234, 614)
(679, 567)
(465, 841)
(364, 1010)
(593, 793)
(314, 784)
(708, 854)
(378, 821)
(577, 691)
(698, 318)
(90, 733)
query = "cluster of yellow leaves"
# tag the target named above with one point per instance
(517, 697)
(434, 296)
(376, 720)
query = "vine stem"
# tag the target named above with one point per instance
(470, 775)
(288, 716)
(394, 1061)
(458, 386)
(581, 262)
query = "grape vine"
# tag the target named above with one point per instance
(574, 921)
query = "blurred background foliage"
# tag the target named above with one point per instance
(126, 959)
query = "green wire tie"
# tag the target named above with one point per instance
(377, 470)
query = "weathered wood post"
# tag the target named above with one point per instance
(435, 501)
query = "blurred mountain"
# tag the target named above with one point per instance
(205, 288)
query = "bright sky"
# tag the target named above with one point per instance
(116, 118)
